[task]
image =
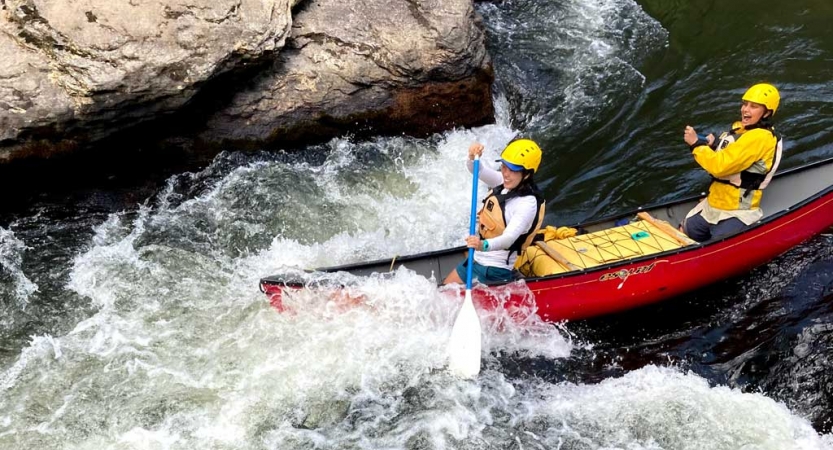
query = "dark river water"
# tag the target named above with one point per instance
(130, 316)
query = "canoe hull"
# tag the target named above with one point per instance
(643, 282)
(802, 205)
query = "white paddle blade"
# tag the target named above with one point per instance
(464, 345)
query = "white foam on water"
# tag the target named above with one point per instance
(11, 262)
(662, 408)
(39, 347)
(184, 348)
(593, 50)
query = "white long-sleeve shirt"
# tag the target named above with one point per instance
(519, 213)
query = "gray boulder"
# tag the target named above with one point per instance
(382, 66)
(76, 72)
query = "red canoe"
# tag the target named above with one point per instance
(798, 205)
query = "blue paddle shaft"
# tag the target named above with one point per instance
(472, 219)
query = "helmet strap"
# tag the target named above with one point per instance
(765, 123)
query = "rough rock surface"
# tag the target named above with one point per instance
(75, 72)
(390, 66)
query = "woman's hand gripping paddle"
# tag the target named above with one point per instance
(464, 346)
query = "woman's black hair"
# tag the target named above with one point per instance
(527, 185)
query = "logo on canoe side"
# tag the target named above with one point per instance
(625, 273)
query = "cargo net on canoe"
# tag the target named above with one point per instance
(557, 250)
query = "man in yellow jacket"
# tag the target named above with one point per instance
(741, 163)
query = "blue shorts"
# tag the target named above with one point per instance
(485, 274)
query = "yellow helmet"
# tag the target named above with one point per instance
(521, 154)
(763, 94)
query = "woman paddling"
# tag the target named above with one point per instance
(741, 163)
(512, 212)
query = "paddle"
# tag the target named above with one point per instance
(464, 345)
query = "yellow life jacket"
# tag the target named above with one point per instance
(493, 221)
(756, 176)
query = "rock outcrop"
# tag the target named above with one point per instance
(380, 65)
(75, 72)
